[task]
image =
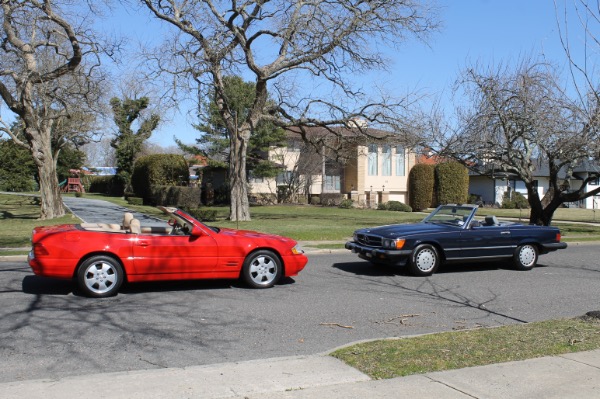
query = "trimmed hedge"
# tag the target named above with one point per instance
(420, 186)
(451, 183)
(181, 197)
(108, 185)
(158, 170)
(203, 215)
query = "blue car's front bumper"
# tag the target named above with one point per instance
(379, 255)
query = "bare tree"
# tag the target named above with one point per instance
(288, 47)
(520, 120)
(48, 81)
(100, 153)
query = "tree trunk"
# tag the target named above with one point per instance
(240, 208)
(51, 201)
(542, 211)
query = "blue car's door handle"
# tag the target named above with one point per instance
(505, 232)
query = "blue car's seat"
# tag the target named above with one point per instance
(490, 220)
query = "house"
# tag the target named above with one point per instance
(491, 184)
(369, 166)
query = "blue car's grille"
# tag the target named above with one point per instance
(371, 241)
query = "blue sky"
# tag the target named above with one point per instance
(488, 32)
(473, 31)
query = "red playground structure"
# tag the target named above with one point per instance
(73, 183)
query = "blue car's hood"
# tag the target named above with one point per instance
(396, 230)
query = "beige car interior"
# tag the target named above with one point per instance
(129, 225)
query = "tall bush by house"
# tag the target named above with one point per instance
(420, 186)
(158, 170)
(451, 183)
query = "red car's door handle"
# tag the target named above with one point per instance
(143, 243)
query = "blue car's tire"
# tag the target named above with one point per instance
(525, 257)
(424, 260)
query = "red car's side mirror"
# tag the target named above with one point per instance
(196, 232)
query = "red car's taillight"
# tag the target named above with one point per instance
(40, 250)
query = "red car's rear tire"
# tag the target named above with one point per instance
(100, 276)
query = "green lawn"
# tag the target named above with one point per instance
(302, 222)
(460, 349)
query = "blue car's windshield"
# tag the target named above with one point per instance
(451, 214)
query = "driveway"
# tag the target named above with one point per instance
(99, 211)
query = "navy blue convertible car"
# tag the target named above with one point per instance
(452, 233)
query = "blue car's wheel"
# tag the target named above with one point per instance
(424, 260)
(526, 257)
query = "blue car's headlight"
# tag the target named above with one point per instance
(393, 243)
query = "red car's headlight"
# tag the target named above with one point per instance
(296, 250)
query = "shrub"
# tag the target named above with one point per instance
(420, 183)
(518, 201)
(158, 170)
(104, 185)
(203, 215)
(331, 199)
(346, 203)
(398, 206)
(181, 197)
(451, 183)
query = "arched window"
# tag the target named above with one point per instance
(372, 160)
(400, 167)
(386, 160)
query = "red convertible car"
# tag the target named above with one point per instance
(100, 257)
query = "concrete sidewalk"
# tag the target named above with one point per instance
(320, 376)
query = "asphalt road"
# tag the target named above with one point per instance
(47, 331)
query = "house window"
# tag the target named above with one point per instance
(594, 182)
(400, 168)
(372, 160)
(255, 179)
(294, 146)
(333, 173)
(386, 161)
(286, 178)
(332, 183)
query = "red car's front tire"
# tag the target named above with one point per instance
(262, 269)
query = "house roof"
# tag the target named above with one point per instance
(321, 133)
(541, 169)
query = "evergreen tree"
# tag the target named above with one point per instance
(215, 140)
(18, 172)
(127, 143)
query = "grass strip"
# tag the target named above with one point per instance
(459, 349)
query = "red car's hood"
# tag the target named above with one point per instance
(254, 234)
